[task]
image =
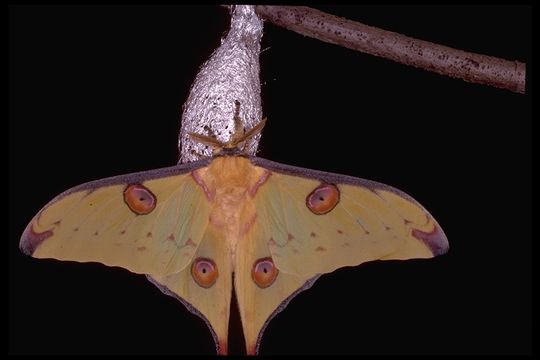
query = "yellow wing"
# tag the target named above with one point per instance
(142, 222)
(317, 222)
(205, 286)
(310, 223)
(259, 300)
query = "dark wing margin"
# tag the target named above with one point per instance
(436, 240)
(331, 178)
(308, 284)
(31, 240)
(192, 309)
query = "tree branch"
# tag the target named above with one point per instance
(444, 60)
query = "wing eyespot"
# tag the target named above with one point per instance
(204, 272)
(323, 199)
(139, 199)
(264, 272)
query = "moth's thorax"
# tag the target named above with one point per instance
(230, 184)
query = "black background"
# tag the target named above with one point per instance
(97, 91)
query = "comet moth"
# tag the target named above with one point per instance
(233, 222)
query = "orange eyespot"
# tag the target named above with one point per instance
(323, 199)
(264, 272)
(139, 199)
(204, 272)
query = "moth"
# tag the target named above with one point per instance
(189, 228)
